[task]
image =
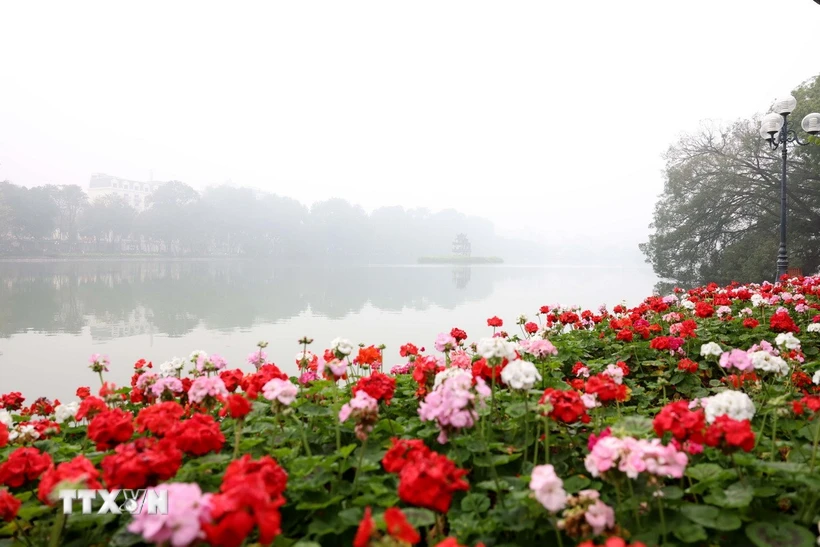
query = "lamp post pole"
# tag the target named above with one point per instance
(774, 128)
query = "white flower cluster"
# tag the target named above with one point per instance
(688, 304)
(445, 374)
(814, 327)
(712, 348)
(490, 348)
(5, 418)
(816, 377)
(520, 375)
(788, 340)
(757, 300)
(735, 404)
(172, 367)
(766, 362)
(65, 412)
(342, 346)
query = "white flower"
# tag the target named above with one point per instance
(520, 375)
(814, 327)
(765, 361)
(27, 432)
(816, 377)
(66, 411)
(757, 300)
(590, 400)
(342, 346)
(170, 368)
(5, 418)
(615, 372)
(688, 304)
(712, 348)
(489, 348)
(787, 339)
(195, 355)
(735, 404)
(448, 373)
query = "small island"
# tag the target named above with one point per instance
(462, 254)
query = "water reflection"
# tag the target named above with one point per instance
(121, 299)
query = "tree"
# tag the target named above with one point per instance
(109, 218)
(70, 200)
(719, 214)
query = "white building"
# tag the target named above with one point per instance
(134, 192)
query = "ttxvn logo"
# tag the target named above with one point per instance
(154, 502)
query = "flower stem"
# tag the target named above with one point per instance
(237, 437)
(774, 434)
(359, 467)
(57, 530)
(558, 533)
(546, 439)
(526, 424)
(301, 428)
(814, 445)
(537, 444)
(22, 532)
(663, 519)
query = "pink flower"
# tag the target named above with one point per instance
(452, 405)
(207, 386)
(364, 409)
(593, 439)
(188, 508)
(600, 516)
(308, 377)
(538, 347)
(635, 456)
(283, 391)
(460, 359)
(445, 342)
(146, 380)
(171, 384)
(736, 358)
(257, 358)
(337, 368)
(548, 488)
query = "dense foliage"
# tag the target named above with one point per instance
(688, 419)
(719, 214)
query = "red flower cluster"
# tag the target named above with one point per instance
(231, 379)
(729, 434)
(782, 322)
(379, 386)
(495, 321)
(4, 435)
(606, 388)
(424, 373)
(236, 405)
(111, 428)
(252, 384)
(198, 435)
(812, 402)
(458, 334)
(624, 335)
(687, 365)
(426, 478)
(83, 392)
(567, 406)
(77, 471)
(9, 506)
(704, 310)
(370, 356)
(23, 465)
(397, 528)
(481, 369)
(666, 343)
(90, 407)
(160, 418)
(612, 542)
(737, 380)
(12, 401)
(684, 424)
(250, 495)
(408, 350)
(750, 323)
(145, 462)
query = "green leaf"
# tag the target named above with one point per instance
(576, 483)
(707, 472)
(779, 534)
(690, 533)
(672, 493)
(736, 496)
(711, 517)
(475, 503)
(419, 517)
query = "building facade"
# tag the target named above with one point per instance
(134, 192)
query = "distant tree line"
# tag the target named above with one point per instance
(719, 215)
(230, 221)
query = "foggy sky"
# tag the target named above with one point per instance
(546, 117)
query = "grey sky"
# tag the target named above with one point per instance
(546, 116)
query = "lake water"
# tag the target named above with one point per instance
(54, 315)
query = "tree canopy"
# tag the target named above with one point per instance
(718, 217)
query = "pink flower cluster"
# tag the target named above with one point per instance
(460, 359)
(736, 358)
(205, 363)
(171, 384)
(635, 456)
(445, 342)
(538, 347)
(282, 391)
(452, 404)
(207, 386)
(188, 508)
(404, 368)
(257, 358)
(548, 488)
(364, 409)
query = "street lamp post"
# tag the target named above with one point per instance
(774, 128)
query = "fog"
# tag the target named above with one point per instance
(546, 118)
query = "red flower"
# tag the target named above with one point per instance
(730, 434)
(145, 462)
(160, 418)
(379, 386)
(782, 322)
(810, 401)
(9, 506)
(231, 379)
(567, 406)
(111, 428)
(484, 371)
(606, 388)
(424, 373)
(750, 322)
(274, 478)
(624, 335)
(687, 329)
(83, 392)
(704, 310)
(494, 321)
(77, 471)
(687, 365)
(370, 356)
(408, 349)
(684, 424)
(90, 407)
(530, 328)
(252, 384)
(198, 435)
(401, 451)
(458, 334)
(23, 465)
(568, 317)
(236, 405)
(12, 401)
(365, 531)
(399, 528)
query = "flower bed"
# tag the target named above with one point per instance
(689, 419)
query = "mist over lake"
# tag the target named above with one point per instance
(53, 315)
